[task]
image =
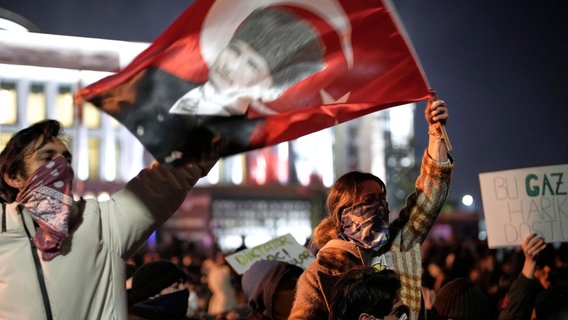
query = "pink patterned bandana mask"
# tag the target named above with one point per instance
(47, 195)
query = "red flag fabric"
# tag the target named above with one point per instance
(257, 73)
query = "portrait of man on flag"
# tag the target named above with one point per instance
(256, 73)
(270, 51)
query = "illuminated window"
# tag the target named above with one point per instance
(117, 161)
(9, 102)
(64, 106)
(110, 169)
(94, 156)
(36, 103)
(68, 141)
(312, 154)
(91, 116)
(4, 137)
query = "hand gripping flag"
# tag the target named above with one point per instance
(257, 73)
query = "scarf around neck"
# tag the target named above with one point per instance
(47, 195)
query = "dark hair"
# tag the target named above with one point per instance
(343, 194)
(153, 277)
(364, 289)
(289, 44)
(551, 303)
(12, 157)
(460, 299)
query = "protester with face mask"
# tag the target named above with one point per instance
(357, 231)
(65, 259)
(158, 292)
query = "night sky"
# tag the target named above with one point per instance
(501, 66)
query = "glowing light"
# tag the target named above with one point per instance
(467, 200)
(103, 196)
(237, 169)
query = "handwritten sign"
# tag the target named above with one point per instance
(284, 248)
(522, 201)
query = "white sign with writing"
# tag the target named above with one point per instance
(284, 248)
(522, 201)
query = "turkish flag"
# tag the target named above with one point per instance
(257, 73)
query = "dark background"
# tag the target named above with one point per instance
(501, 66)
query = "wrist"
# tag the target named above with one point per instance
(435, 130)
(528, 269)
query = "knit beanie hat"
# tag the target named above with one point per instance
(153, 277)
(460, 299)
(261, 282)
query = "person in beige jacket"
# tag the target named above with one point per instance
(358, 232)
(65, 259)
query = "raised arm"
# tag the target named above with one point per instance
(147, 201)
(436, 114)
(523, 291)
(432, 186)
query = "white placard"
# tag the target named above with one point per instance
(522, 201)
(284, 248)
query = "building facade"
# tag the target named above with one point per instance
(266, 192)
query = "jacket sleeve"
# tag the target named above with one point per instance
(423, 206)
(309, 304)
(146, 202)
(520, 299)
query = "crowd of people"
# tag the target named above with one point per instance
(486, 276)
(367, 266)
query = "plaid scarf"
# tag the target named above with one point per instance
(47, 195)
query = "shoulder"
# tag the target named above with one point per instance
(338, 255)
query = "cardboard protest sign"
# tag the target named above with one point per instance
(522, 201)
(284, 248)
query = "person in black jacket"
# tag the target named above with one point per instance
(158, 292)
(531, 281)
